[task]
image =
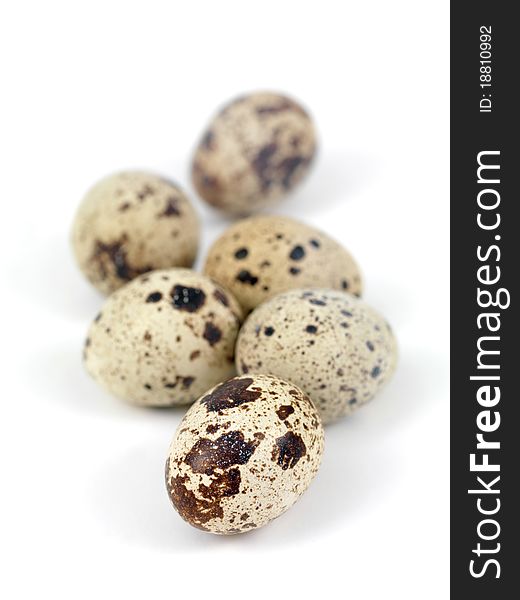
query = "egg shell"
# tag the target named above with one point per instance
(335, 347)
(243, 454)
(130, 223)
(262, 256)
(164, 338)
(254, 151)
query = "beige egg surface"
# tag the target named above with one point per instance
(243, 454)
(254, 151)
(260, 257)
(335, 347)
(164, 338)
(130, 223)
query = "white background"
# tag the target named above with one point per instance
(92, 87)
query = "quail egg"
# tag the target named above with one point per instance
(130, 223)
(254, 151)
(259, 257)
(164, 338)
(243, 454)
(335, 347)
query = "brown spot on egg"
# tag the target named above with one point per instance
(288, 450)
(192, 509)
(288, 168)
(187, 298)
(272, 109)
(187, 381)
(223, 485)
(212, 333)
(85, 347)
(172, 208)
(154, 297)
(297, 253)
(230, 394)
(221, 297)
(208, 140)
(262, 163)
(245, 276)
(227, 450)
(376, 371)
(317, 302)
(146, 191)
(284, 411)
(113, 257)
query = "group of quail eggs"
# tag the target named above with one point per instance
(278, 302)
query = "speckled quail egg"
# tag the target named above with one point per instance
(130, 223)
(255, 150)
(335, 347)
(164, 338)
(262, 256)
(243, 454)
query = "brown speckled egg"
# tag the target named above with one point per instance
(262, 256)
(335, 347)
(164, 338)
(256, 149)
(243, 454)
(130, 223)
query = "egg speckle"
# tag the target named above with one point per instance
(243, 454)
(335, 347)
(257, 149)
(164, 338)
(130, 223)
(259, 257)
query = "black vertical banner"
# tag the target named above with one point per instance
(485, 269)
